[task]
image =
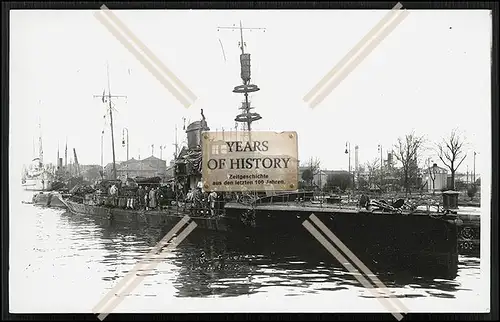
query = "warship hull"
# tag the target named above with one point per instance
(420, 245)
(168, 217)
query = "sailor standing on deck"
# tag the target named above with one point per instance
(212, 197)
(189, 196)
(152, 198)
(189, 200)
(156, 194)
(146, 198)
(130, 200)
(197, 195)
(113, 191)
(140, 197)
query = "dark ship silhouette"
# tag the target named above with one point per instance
(384, 236)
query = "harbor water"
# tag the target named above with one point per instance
(61, 262)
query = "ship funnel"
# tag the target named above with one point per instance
(193, 132)
(356, 159)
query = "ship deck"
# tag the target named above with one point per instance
(319, 207)
(463, 214)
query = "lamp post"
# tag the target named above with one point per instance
(381, 166)
(467, 182)
(102, 151)
(474, 173)
(161, 158)
(348, 151)
(434, 167)
(123, 140)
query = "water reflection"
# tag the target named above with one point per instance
(209, 264)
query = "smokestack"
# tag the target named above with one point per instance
(66, 156)
(356, 160)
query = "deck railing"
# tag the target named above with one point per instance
(201, 206)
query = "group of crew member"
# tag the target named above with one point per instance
(147, 198)
(152, 198)
(200, 201)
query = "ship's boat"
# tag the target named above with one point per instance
(51, 199)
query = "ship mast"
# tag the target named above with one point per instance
(40, 147)
(108, 98)
(57, 161)
(176, 144)
(66, 156)
(247, 117)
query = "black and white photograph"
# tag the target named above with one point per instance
(232, 161)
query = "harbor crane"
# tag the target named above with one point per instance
(77, 165)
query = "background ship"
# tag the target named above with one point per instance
(37, 177)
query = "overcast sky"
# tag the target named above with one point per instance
(430, 75)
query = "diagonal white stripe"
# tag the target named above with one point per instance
(140, 57)
(126, 282)
(356, 55)
(352, 52)
(137, 279)
(385, 302)
(356, 260)
(142, 263)
(354, 61)
(148, 52)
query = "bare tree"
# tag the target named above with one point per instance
(432, 173)
(313, 168)
(407, 152)
(451, 152)
(373, 167)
